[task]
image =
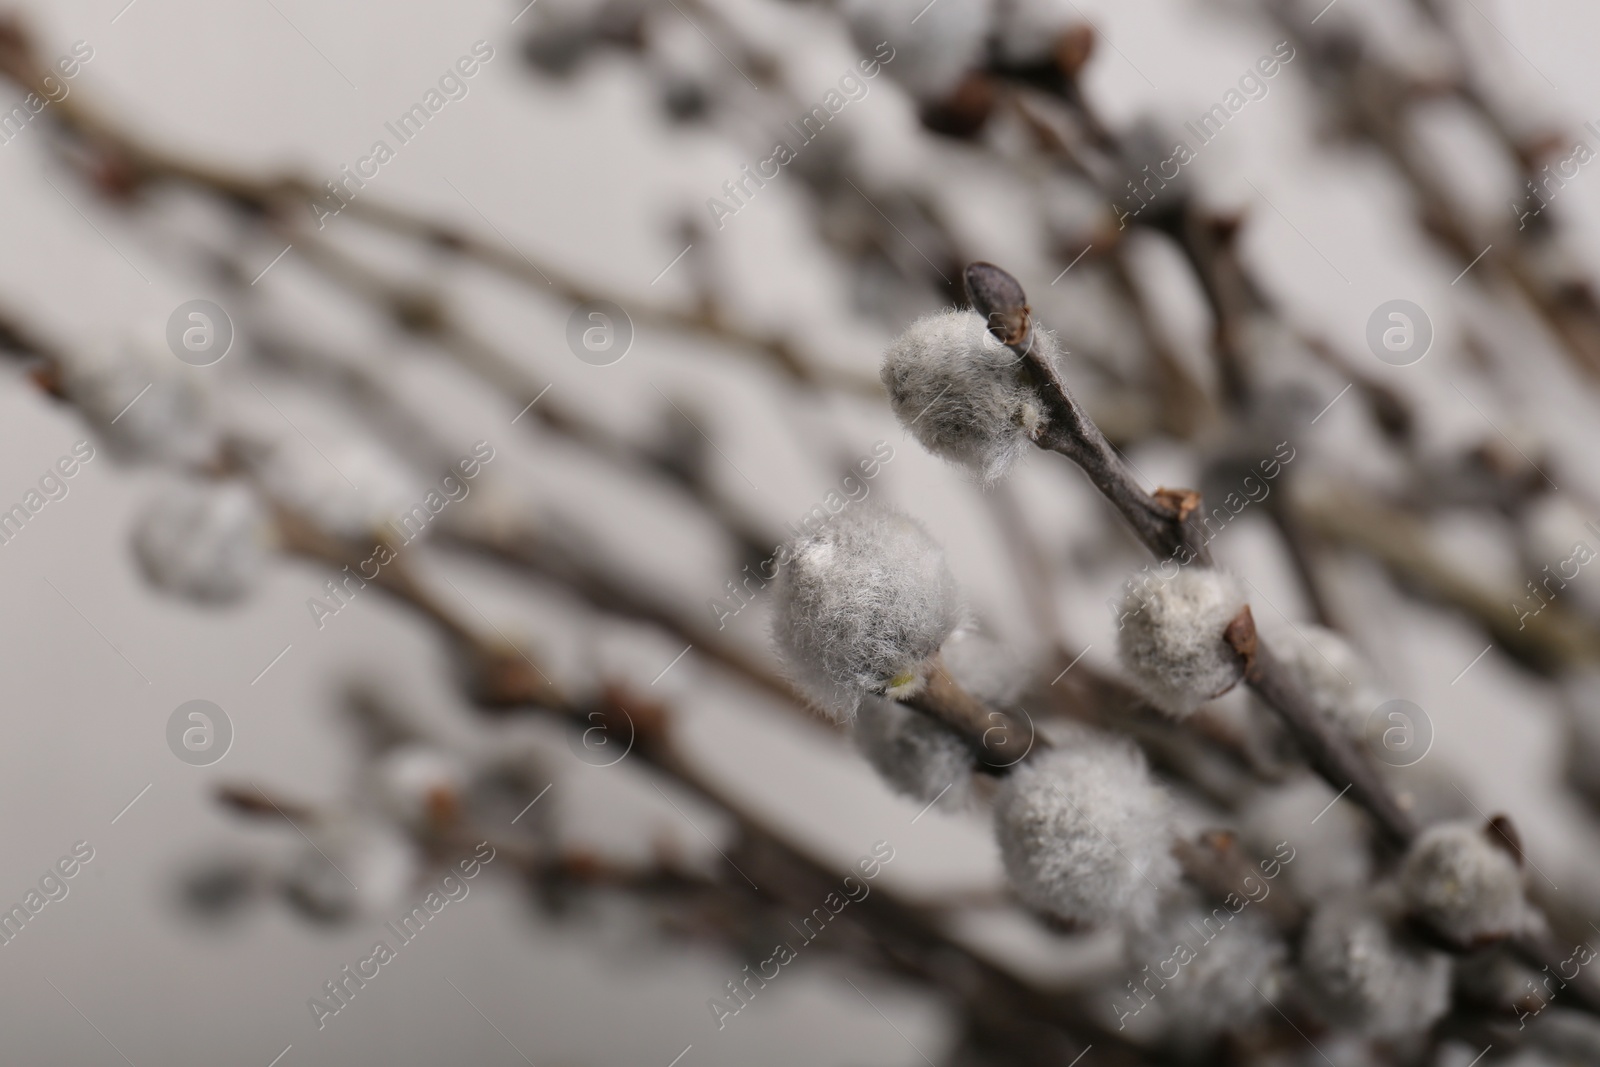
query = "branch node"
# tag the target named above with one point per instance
(1183, 502)
(1241, 637)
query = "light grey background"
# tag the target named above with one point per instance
(583, 174)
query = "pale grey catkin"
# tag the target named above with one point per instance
(1332, 673)
(1330, 836)
(1171, 642)
(916, 755)
(143, 403)
(1085, 833)
(205, 542)
(964, 395)
(1208, 971)
(1362, 972)
(861, 607)
(1027, 31)
(1464, 885)
(934, 44)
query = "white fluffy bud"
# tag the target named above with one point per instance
(965, 396)
(323, 882)
(1226, 961)
(916, 755)
(1463, 884)
(421, 786)
(1332, 673)
(934, 44)
(349, 489)
(146, 404)
(1332, 853)
(1027, 30)
(985, 665)
(1085, 833)
(1363, 974)
(206, 542)
(861, 607)
(1171, 638)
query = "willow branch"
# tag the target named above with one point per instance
(1164, 530)
(130, 163)
(1160, 519)
(1329, 751)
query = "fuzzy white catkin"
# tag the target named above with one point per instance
(965, 396)
(205, 542)
(1224, 963)
(1332, 852)
(350, 489)
(861, 606)
(917, 756)
(351, 867)
(1361, 973)
(1026, 31)
(1085, 833)
(421, 786)
(144, 403)
(934, 44)
(986, 666)
(1332, 673)
(1463, 884)
(1171, 639)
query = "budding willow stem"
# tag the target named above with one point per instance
(1160, 519)
(1329, 752)
(996, 738)
(1162, 522)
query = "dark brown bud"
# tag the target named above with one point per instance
(1502, 833)
(998, 297)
